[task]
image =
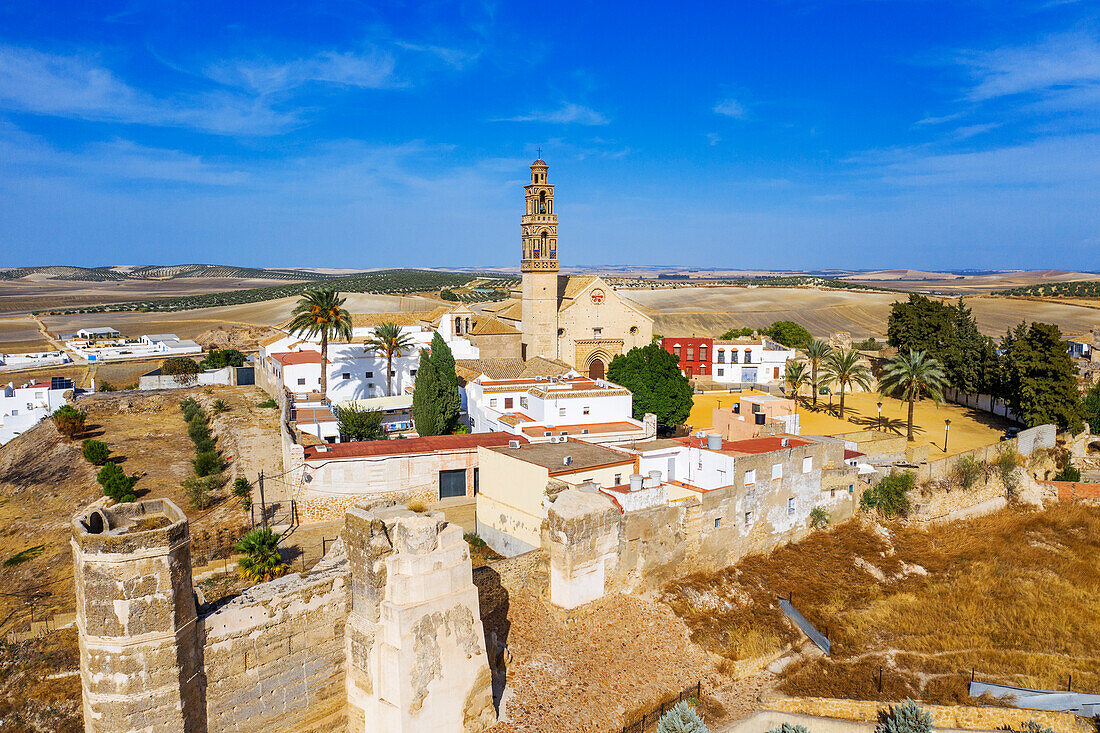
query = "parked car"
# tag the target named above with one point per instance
(1010, 433)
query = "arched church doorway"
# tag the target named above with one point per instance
(596, 369)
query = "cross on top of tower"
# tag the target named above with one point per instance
(540, 152)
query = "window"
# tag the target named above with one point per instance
(807, 464)
(676, 351)
(508, 403)
(412, 373)
(492, 402)
(717, 522)
(561, 412)
(585, 410)
(476, 479)
(702, 353)
(452, 483)
(777, 471)
(721, 356)
(790, 505)
(618, 479)
(597, 333)
(302, 381)
(851, 488)
(702, 368)
(748, 517)
(832, 493)
(750, 477)
(734, 356)
(370, 375)
(546, 433)
(393, 373)
(721, 372)
(691, 353)
(347, 375)
(748, 356)
(565, 432)
(584, 431)
(522, 402)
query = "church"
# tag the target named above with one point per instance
(578, 320)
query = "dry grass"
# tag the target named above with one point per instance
(33, 696)
(1014, 595)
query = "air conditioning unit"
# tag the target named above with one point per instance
(513, 444)
(567, 461)
(700, 433)
(784, 442)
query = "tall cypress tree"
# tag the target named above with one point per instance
(436, 401)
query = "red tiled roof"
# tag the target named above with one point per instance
(287, 358)
(764, 444)
(599, 427)
(850, 454)
(409, 446)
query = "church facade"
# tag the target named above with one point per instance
(578, 320)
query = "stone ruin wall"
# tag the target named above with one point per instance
(274, 656)
(383, 634)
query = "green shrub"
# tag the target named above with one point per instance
(966, 472)
(1031, 726)
(70, 421)
(890, 496)
(474, 539)
(199, 490)
(789, 728)
(267, 403)
(262, 560)
(1006, 463)
(906, 717)
(106, 386)
(205, 445)
(819, 518)
(220, 406)
(682, 719)
(208, 463)
(95, 452)
(116, 484)
(242, 489)
(1068, 473)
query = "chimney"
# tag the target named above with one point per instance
(567, 461)
(635, 482)
(714, 441)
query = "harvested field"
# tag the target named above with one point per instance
(710, 311)
(1014, 596)
(21, 334)
(191, 323)
(35, 293)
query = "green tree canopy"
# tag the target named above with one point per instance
(653, 375)
(358, 423)
(183, 368)
(948, 333)
(116, 484)
(737, 333)
(436, 401)
(262, 560)
(912, 376)
(1040, 379)
(790, 334)
(70, 421)
(321, 313)
(218, 358)
(391, 342)
(1092, 408)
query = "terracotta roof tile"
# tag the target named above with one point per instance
(409, 446)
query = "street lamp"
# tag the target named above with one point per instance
(880, 414)
(946, 432)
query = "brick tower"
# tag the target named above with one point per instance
(540, 267)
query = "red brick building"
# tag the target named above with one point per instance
(694, 354)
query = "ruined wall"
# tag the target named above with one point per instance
(140, 663)
(583, 531)
(275, 654)
(415, 645)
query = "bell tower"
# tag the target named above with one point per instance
(539, 266)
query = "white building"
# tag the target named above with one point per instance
(354, 373)
(33, 359)
(21, 408)
(759, 361)
(542, 408)
(103, 347)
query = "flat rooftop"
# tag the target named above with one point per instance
(598, 428)
(551, 456)
(750, 446)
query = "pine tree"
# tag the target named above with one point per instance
(1040, 380)
(435, 397)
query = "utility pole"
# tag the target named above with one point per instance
(263, 504)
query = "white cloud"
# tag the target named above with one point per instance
(938, 120)
(78, 87)
(567, 113)
(714, 138)
(372, 70)
(1050, 68)
(731, 108)
(453, 57)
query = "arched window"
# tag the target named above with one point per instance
(733, 356)
(544, 240)
(542, 202)
(458, 326)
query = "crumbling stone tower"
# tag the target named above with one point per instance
(415, 647)
(140, 656)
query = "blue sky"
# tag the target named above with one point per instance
(790, 134)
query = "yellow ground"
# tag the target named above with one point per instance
(969, 428)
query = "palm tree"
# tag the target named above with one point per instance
(817, 351)
(261, 561)
(795, 377)
(911, 376)
(392, 342)
(845, 368)
(321, 313)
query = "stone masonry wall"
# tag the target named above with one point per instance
(275, 654)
